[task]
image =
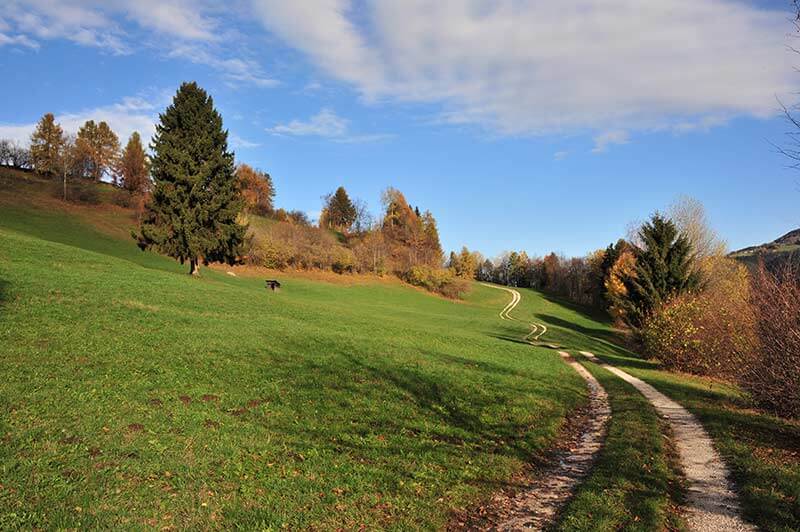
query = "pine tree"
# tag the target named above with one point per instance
(431, 245)
(340, 211)
(192, 214)
(46, 143)
(664, 268)
(133, 168)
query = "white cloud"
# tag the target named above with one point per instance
(21, 40)
(129, 115)
(560, 155)
(94, 22)
(235, 70)
(326, 124)
(609, 138)
(544, 67)
(76, 21)
(179, 18)
(239, 142)
(187, 29)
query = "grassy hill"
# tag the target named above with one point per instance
(782, 249)
(135, 396)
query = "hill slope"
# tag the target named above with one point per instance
(786, 247)
(134, 395)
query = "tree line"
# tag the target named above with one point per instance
(682, 300)
(196, 203)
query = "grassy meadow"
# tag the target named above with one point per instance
(135, 396)
(633, 482)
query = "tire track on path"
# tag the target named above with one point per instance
(538, 502)
(711, 504)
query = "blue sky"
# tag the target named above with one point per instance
(520, 125)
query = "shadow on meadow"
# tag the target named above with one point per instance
(5, 288)
(589, 313)
(603, 334)
(467, 415)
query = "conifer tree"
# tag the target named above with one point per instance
(340, 212)
(664, 268)
(133, 168)
(192, 214)
(46, 144)
(431, 245)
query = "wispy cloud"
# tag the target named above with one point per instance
(522, 68)
(129, 115)
(235, 70)
(189, 30)
(239, 142)
(609, 138)
(560, 155)
(325, 124)
(21, 40)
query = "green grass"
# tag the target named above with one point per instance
(635, 483)
(325, 405)
(762, 451)
(135, 396)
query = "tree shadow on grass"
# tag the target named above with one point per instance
(589, 313)
(5, 288)
(465, 415)
(509, 338)
(603, 334)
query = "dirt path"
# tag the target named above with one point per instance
(539, 499)
(537, 329)
(711, 503)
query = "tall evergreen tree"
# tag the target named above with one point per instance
(431, 245)
(192, 214)
(46, 144)
(340, 211)
(664, 268)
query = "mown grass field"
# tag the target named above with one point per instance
(134, 396)
(762, 451)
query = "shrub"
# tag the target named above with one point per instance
(269, 253)
(438, 280)
(772, 372)
(708, 332)
(79, 192)
(289, 245)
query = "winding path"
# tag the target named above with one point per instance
(538, 502)
(537, 329)
(711, 503)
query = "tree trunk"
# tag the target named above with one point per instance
(194, 267)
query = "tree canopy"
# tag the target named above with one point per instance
(133, 167)
(258, 191)
(339, 212)
(192, 214)
(98, 147)
(46, 143)
(664, 268)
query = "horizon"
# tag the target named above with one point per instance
(562, 141)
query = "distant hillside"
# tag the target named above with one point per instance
(787, 247)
